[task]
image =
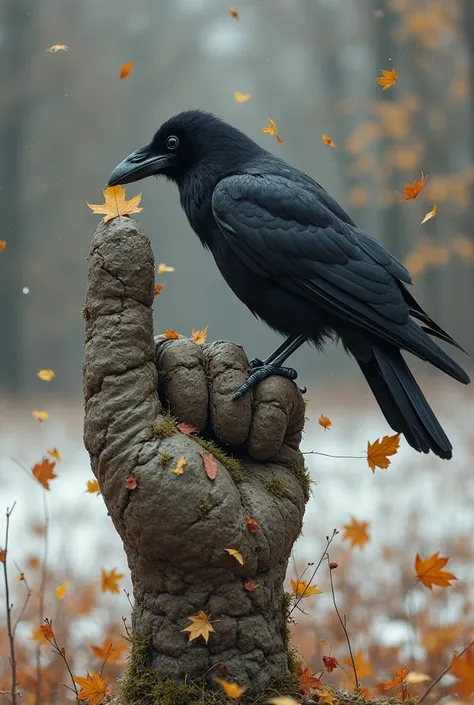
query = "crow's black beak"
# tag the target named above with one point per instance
(138, 165)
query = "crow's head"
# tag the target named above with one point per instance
(181, 144)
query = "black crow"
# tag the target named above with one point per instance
(300, 263)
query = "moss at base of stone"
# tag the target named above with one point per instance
(164, 458)
(276, 487)
(204, 508)
(164, 428)
(302, 473)
(233, 466)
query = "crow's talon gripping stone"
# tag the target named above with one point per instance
(262, 372)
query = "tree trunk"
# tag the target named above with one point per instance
(176, 528)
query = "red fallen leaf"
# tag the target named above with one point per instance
(252, 525)
(210, 465)
(249, 585)
(186, 429)
(131, 483)
(223, 670)
(330, 663)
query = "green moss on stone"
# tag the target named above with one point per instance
(233, 466)
(164, 457)
(164, 428)
(204, 508)
(276, 487)
(302, 473)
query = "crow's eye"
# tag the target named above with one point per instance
(172, 142)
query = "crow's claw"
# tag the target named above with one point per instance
(262, 372)
(256, 362)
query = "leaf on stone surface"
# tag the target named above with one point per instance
(93, 688)
(110, 651)
(131, 483)
(171, 335)
(46, 375)
(3, 244)
(249, 585)
(356, 532)
(115, 204)
(242, 97)
(54, 453)
(62, 589)
(199, 336)
(186, 429)
(40, 415)
(210, 465)
(58, 47)
(232, 12)
(325, 422)
(232, 690)
(200, 626)
(429, 571)
(325, 696)
(93, 487)
(413, 190)
(387, 79)
(235, 554)
(378, 452)
(126, 70)
(44, 472)
(162, 268)
(306, 679)
(110, 580)
(430, 214)
(271, 129)
(330, 663)
(157, 289)
(180, 465)
(302, 589)
(252, 525)
(327, 140)
(398, 680)
(462, 668)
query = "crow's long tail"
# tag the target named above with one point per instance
(403, 403)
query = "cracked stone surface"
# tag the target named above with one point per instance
(176, 554)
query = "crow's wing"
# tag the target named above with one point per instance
(281, 229)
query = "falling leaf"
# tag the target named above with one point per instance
(39, 636)
(378, 452)
(171, 335)
(93, 688)
(271, 129)
(110, 651)
(199, 336)
(327, 140)
(44, 472)
(232, 690)
(306, 679)
(356, 532)
(58, 47)
(210, 465)
(47, 631)
(398, 680)
(40, 415)
(201, 626)
(3, 555)
(387, 79)
(242, 97)
(3, 244)
(115, 204)
(330, 663)
(162, 268)
(302, 589)
(232, 12)
(325, 422)
(131, 483)
(235, 554)
(20, 577)
(181, 464)
(62, 589)
(46, 375)
(283, 700)
(429, 571)
(249, 585)
(463, 669)
(110, 580)
(93, 487)
(54, 453)
(430, 214)
(252, 525)
(363, 666)
(413, 678)
(157, 289)
(186, 429)
(325, 696)
(33, 563)
(413, 190)
(126, 70)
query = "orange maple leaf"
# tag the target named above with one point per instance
(413, 190)
(201, 625)
(199, 336)
(327, 140)
(93, 487)
(54, 453)
(463, 669)
(398, 680)
(387, 79)
(171, 335)
(429, 571)
(232, 690)
(252, 525)
(44, 472)
(363, 665)
(3, 555)
(232, 12)
(41, 635)
(110, 651)
(93, 688)
(325, 422)
(306, 679)
(378, 452)
(3, 244)
(115, 204)
(110, 580)
(271, 129)
(157, 289)
(356, 532)
(242, 97)
(47, 631)
(46, 375)
(126, 70)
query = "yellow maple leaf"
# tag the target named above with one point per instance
(271, 129)
(325, 696)
(235, 554)
(387, 79)
(3, 244)
(61, 590)
(242, 97)
(302, 589)
(429, 571)
(357, 532)
(162, 268)
(44, 472)
(93, 487)
(378, 452)
(430, 214)
(363, 665)
(110, 651)
(46, 375)
(232, 690)
(180, 465)
(110, 580)
(58, 47)
(327, 140)
(54, 453)
(40, 415)
(93, 688)
(115, 204)
(201, 625)
(199, 336)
